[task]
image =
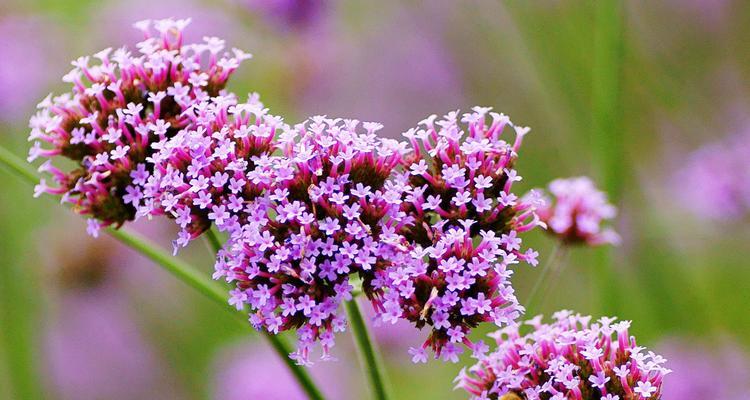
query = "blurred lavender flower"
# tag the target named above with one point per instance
(254, 372)
(113, 22)
(576, 210)
(714, 181)
(698, 368)
(108, 127)
(570, 358)
(27, 58)
(393, 338)
(462, 231)
(92, 347)
(405, 68)
(288, 14)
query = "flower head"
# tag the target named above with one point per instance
(118, 108)
(571, 358)
(209, 171)
(576, 211)
(325, 214)
(462, 233)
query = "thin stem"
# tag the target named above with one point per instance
(532, 298)
(607, 137)
(183, 272)
(368, 355)
(213, 240)
(213, 291)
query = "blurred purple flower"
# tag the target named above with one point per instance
(92, 346)
(253, 371)
(576, 211)
(114, 21)
(702, 372)
(395, 74)
(27, 61)
(714, 181)
(288, 14)
(94, 350)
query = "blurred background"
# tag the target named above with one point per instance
(648, 98)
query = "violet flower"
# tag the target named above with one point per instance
(703, 372)
(207, 172)
(714, 181)
(287, 14)
(325, 215)
(108, 125)
(570, 358)
(253, 371)
(576, 211)
(462, 232)
(25, 44)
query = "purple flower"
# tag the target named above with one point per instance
(714, 181)
(462, 237)
(208, 171)
(92, 347)
(288, 14)
(324, 214)
(252, 371)
(28, 54)
(698, 368)
(570, 358)
(119, 108)
(576, 211)
(416, 70)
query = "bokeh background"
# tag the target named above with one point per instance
(649, 98)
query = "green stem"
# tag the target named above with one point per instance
(368, 356)
(213, 240)
(183, 272)
(215, 292)
(18, 166)
(607, 138)
(533, 297)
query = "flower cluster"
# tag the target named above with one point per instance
(117, 110)
(463, 231)
(576, 211)
(207, 172)
(571, 358)
(325, 214)
(429, 228)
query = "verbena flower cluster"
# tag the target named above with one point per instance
(207, 172)
(428, 228)
(117, 110)
(571, 358)
(327, 214)
(463, 230)
(576, 211)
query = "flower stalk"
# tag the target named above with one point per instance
(368, 355)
